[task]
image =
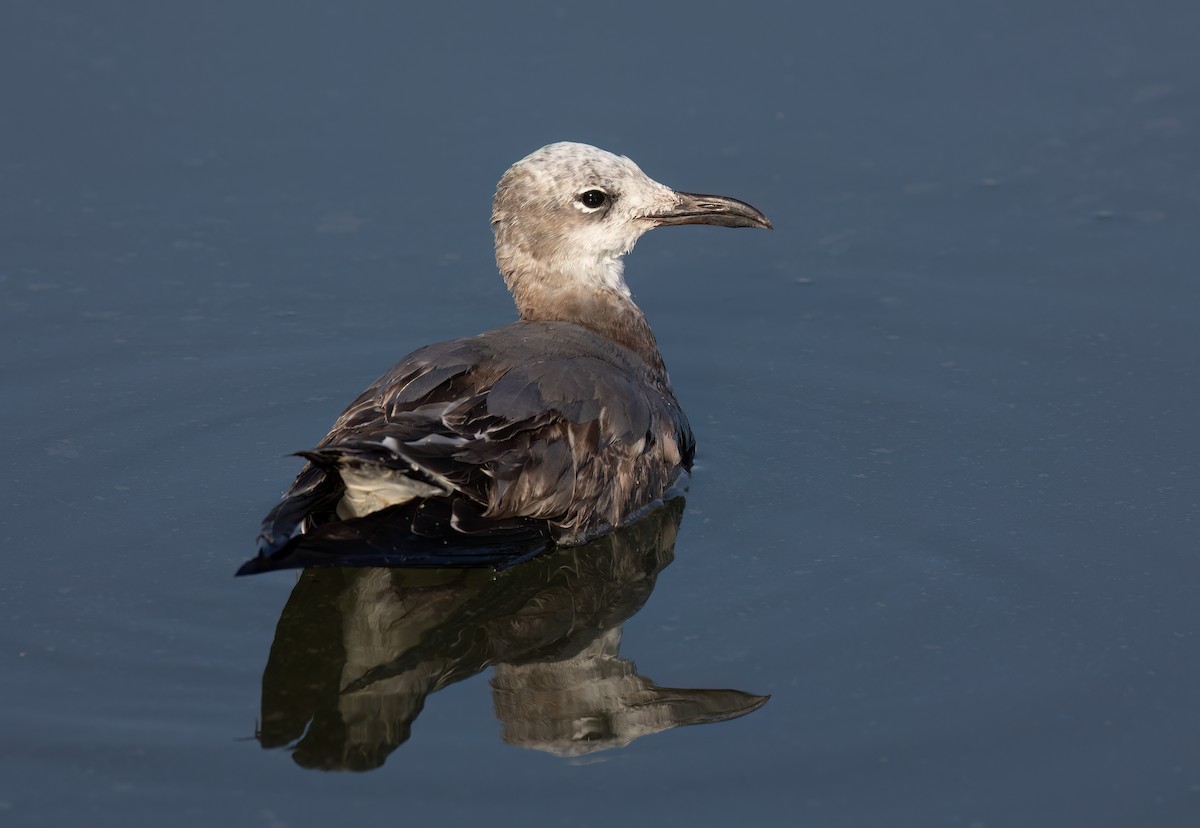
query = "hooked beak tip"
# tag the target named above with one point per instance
(722, 211)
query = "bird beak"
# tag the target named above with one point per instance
(710, 209)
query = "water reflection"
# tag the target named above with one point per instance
(357, 651)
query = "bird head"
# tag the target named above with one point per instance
(570, 212)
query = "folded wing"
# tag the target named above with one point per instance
(493, 436)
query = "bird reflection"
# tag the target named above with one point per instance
(358, 650)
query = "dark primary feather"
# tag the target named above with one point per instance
(533, 428)
(386, 538)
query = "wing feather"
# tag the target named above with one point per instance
(580, 437)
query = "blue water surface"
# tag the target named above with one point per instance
(946, 497)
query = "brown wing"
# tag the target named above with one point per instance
(507, 430)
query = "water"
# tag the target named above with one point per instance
(945, 507)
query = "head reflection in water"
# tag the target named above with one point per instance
(357, 651)
(596, 701)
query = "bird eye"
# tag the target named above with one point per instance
(593, 199)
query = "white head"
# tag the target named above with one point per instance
(566, 214)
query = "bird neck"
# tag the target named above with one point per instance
(595, 297)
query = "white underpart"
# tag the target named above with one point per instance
(371, 488)
(603, 268)
(610, 274)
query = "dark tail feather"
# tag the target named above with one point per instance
(282, 523)
(386, 538)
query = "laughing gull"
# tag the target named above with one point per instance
(560, 426)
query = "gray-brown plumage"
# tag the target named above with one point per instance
(560, 426)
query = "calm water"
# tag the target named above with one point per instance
(945, 509)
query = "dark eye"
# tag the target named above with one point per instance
(593, 199)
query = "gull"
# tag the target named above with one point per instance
(559, 427)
